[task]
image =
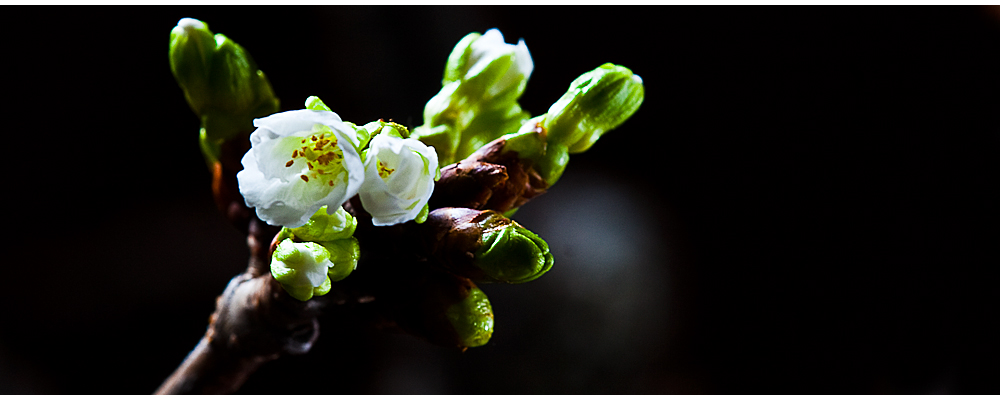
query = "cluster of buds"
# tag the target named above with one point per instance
(423, 218)
(477, 103)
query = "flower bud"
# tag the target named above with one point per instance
(491, 67)
(440, 307)
(478, 100)
(596, 102)
(485, 246)
(344, 254)
(301, 268)
(513, 254)
(191, 48)
(326, 227)
(220, 80)
(472, 319)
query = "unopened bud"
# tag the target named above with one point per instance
(485, 246)
(220, 80)
(301, 268)
(596, 102)
(325, 227)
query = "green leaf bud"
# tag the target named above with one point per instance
(301, 268)
(191, 48)
(596, 102)
(438, 306)
(485, 246)
(513, 254)
(220, 80)
(478, 100)
(325, 227)
(472, 319)
(344, 254)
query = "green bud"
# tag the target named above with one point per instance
(325, 227)
(440, 307)
(191, 48)
(596, 102)
(477, 103)
(220, 80)
(344, 254)
(513, 254)
(472, 319)
(489, 125)
(501, 250)
(301, 268)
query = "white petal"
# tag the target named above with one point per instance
(403, 195)
(278, 194)
(522, 59)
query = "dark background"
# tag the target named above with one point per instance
(804, 203)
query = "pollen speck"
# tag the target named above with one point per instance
(331, 183)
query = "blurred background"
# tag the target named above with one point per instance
(804, 204)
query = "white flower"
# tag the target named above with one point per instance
(490, 47)
(399, 179)
(299, 161)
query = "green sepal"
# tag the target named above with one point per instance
(458, 60)
(472, 319)
(324, 288)
(424, 212)
(325, 227)
(513, 254)
(302, 293)
(314, 103)
(596, 102)
(344, 254)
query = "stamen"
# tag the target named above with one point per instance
(331, 183)
(305, 178)
(310, 165)
(314, 138)
(295, 153)
(289, 163)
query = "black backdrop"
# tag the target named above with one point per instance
(803, 204)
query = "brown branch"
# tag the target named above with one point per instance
(488, 179)
(256, 321)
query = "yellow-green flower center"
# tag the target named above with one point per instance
(322, 156)
(384, 171)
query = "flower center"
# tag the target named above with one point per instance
(384, 171)
(322, 157)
